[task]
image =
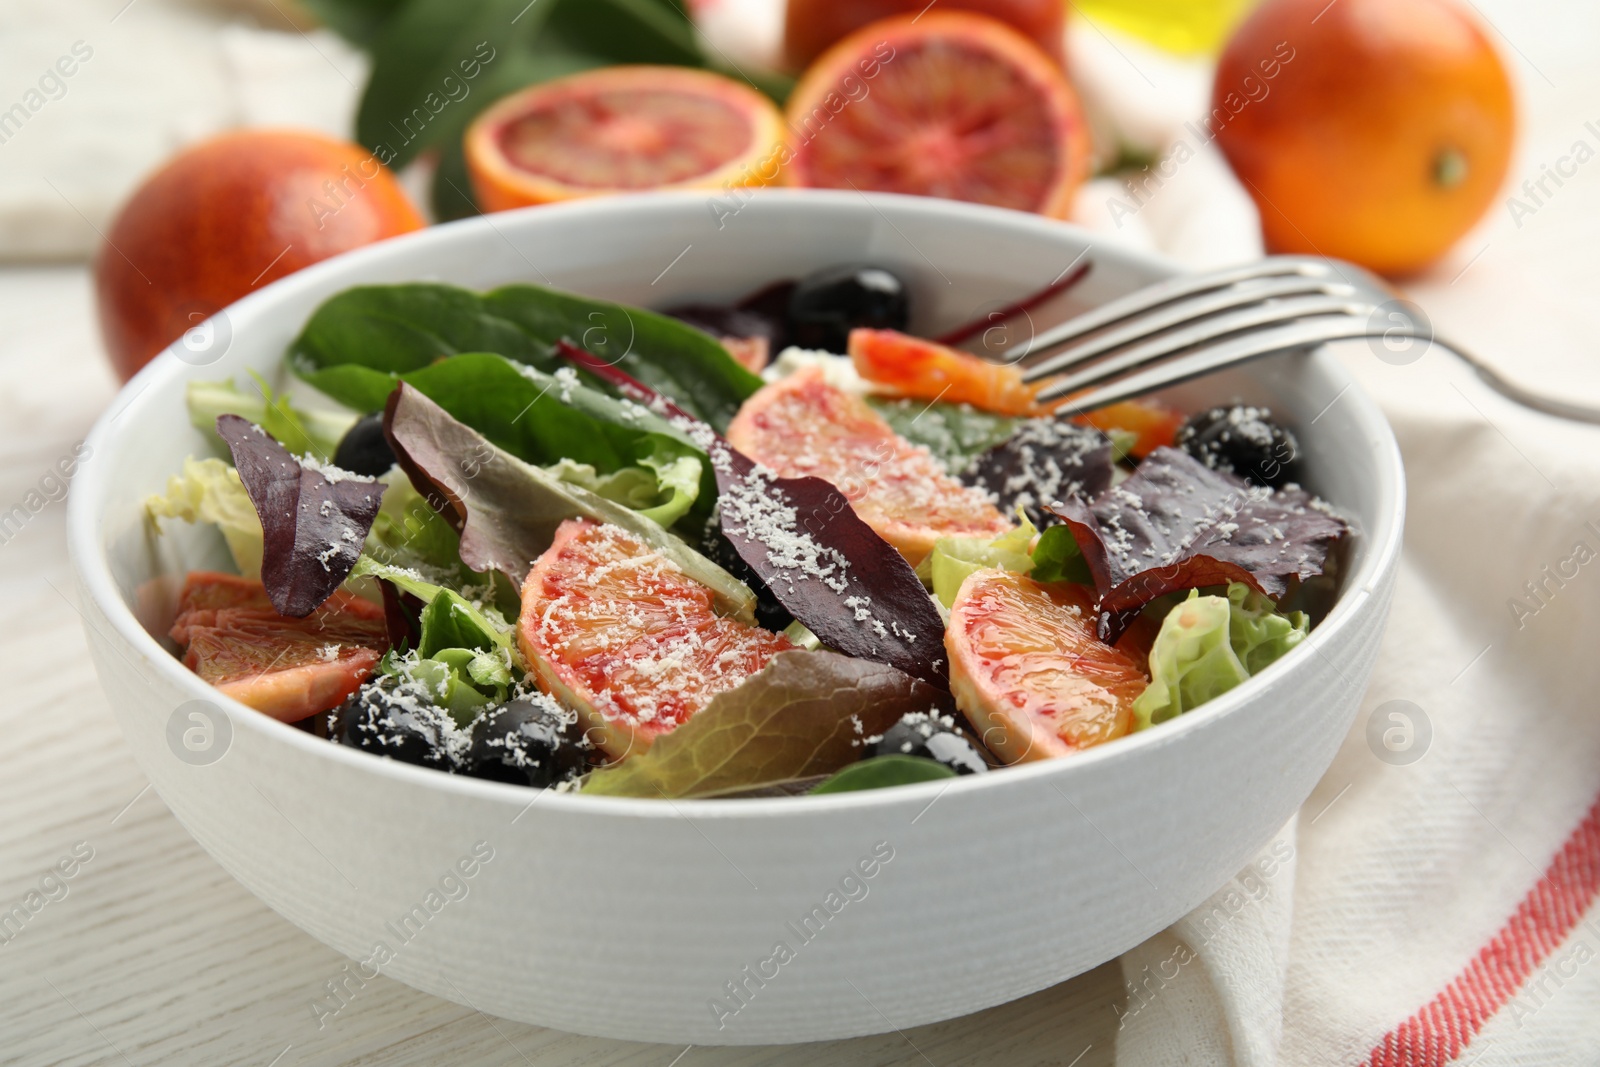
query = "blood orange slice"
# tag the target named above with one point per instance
(288, 668)
(1028, 671)
(622, 129)
(802, 426)
(948, 104)
(931, 371)
(619, 632)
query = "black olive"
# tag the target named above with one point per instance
(363, 449)
(529, 741)
(931, 736)
(393, 717)
(826, 305)
(1245, 441)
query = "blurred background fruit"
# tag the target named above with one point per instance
(810, 27)
(1183, 26)
(946, 103)
(227, 216)
(1388, 141)
(623, 129)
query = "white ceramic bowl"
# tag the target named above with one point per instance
(634, 918)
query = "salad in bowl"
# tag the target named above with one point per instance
(771, 548)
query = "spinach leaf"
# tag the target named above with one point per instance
(881, 772)
(688, 366)
(400, 328)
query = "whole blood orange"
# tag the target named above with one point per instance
(1028, 671)
(810, 26)
(802, 426)
(945, 103)
(1376, 131)
(225, 217)
(622, 129)
(618, 632)
(288, 668)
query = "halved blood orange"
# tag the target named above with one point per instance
(810, 26)
(623, 129)
(618, 632)
(945, 103)
(1028, 671)
(931, 371)
(288, 668)
(802, 426)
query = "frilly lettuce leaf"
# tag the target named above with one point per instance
(1209, 644)
(466, 655)
(1054, 558)
(301, 432)
(954, 558)
(209, 490)
(806, 713)
(1258, 633)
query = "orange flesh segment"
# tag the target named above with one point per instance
(1156, 424)
(618, 631)
(931, 371)
(1028, 671)
(802, 426)
(626, 138)
(288, 668)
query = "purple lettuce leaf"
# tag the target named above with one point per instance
(314, 517)
(1176, 524)
(826, 566)
(1044, 461)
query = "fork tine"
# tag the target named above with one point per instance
(1204, 332)
(1038, 364)
(1152, 296)
(1306, 333)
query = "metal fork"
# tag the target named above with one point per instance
(1187, 327)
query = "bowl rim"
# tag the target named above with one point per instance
(92, 566)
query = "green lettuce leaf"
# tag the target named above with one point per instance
(1057, 558)
(806, 713)
(1208, 645)
(1054, 558)
(315, 433)
(1258, 633)
(954, 558)
(209, 490)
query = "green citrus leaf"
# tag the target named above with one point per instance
(807, 713)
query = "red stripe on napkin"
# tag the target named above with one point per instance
(1439, 1032)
